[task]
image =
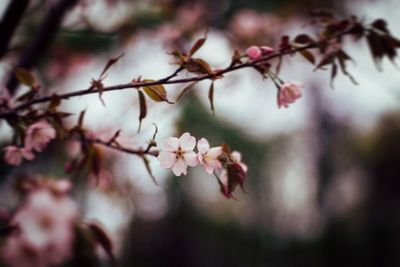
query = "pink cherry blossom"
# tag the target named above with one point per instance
(178, 154)
(45, 233)
(254, 52)
(14, 155)
(289, 93)
(266, 50)
(39, 135)
(208, 157)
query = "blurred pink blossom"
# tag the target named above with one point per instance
(178, 154)
(14, 155)
(289, 93)
(45, 224)
(39, 135)
(249, 26)
(208, 157)
(5, 98)
(254, 52)
(266, 50)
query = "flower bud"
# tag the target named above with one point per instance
(254, 52)
(266, 50)
(236, 176)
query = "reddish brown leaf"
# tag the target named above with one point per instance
(25, 77)
(211, 97)
(197, 45)
(142, 108)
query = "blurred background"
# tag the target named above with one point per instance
(323, 186)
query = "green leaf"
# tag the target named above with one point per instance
(142, 108)
(156, 92)
(25, 77)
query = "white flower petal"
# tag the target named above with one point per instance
(236, 156)
(171, 144)
(208, 169)
(214, 163)
(203, 146)
(191, 159)
(167, 159)
(187, 142)
(179, 167)
(214, 152)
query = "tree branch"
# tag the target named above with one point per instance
(168, 80)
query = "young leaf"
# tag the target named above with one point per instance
(81, 117)
(381, 25)
(54, 102)
(99, 86)
(149, 171)
(156, 92)
(198, 66)
(303, 39)
(114, 138)
(25, 77)
(103, 239)
(96, 160)
(375, 46)
(186, 89)
(110, 62)
(197, 45)
(326, 60)
(211, 97)
(333, 73)
(342, 58)
(308, 55)
(142, 108)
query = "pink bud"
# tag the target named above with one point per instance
(254, 52)
(266, 50)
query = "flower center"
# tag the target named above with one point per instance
(179, 153)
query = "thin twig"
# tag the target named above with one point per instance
(168, 80)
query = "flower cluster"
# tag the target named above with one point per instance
(44, 226)
(178, 154)
(288, 92)
(38, 135)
